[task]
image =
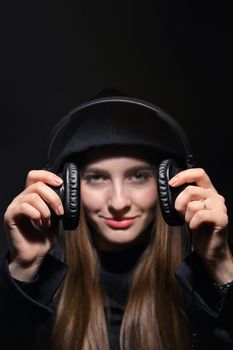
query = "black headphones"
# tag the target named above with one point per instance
(69, 192)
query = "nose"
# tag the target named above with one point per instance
(119, 199)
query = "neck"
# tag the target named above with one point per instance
(123, 260)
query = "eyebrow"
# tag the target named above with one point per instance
(140, 168)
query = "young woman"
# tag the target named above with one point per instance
(125, 286)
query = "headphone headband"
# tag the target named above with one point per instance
(170, 121)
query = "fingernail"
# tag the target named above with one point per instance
(58, 180)
(173, 181)
(60, 210)
(47, 224)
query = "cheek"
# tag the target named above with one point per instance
(147, 198)
(91, 200)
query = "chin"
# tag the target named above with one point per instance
(120, 240)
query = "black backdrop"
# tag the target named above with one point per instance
(54, 55)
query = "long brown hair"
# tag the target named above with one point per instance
(154, 318)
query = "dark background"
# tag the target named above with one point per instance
(54, 55)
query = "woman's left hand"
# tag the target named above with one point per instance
(205, 213)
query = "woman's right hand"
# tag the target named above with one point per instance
(31, 226)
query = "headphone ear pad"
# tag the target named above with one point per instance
(167, 194)
(71, 196)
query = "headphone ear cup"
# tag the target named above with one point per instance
(167, 194)
(70, 195)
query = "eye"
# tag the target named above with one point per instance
(94, 178)
(141, 176)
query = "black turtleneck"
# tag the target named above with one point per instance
(116, 271)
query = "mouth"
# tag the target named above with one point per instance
(119, 223)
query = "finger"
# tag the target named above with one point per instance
(192, 193)
(44, 176)
(217, 204)
(211, 217)
(192, 208)
(15, 212)
(38, 203)
(47, 194)
(194, 175)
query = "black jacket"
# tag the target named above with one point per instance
(26, 309)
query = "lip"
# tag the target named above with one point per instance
(120, 223)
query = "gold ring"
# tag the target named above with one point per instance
(203, 202)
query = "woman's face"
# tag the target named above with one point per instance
(119, 195)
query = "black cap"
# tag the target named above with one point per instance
(117, 123)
